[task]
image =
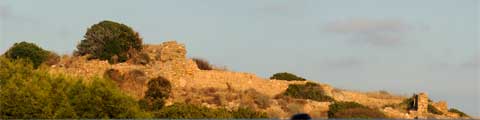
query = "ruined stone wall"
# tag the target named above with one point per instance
(239, 81)
(422, 103)
(354, 96)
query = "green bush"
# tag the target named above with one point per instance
(158, 90)
(189, 111)
(309, 90)
(432, 109)
(110, 41)
(102, 99)
(352, 110)
(202, 64)
(462, 114)
(286, 76)
(28, 51)
(27, 93)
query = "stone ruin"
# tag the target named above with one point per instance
(420, 103)
(171, 62)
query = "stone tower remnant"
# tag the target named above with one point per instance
(421, 102)
(420, 105)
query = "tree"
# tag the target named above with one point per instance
(29, 52)
(110, 41)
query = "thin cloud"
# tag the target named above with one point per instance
(371, 32)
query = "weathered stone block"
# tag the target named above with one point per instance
(172, 51)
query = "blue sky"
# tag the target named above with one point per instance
(403, 46)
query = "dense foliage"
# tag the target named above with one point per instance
(352, 110)
(453, 110)
(189, 111)
(110, 41)
(158, 90)
(309, 90)
(27, 93)
(286, 76)
(28, 51)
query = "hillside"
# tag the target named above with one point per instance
(231, 90)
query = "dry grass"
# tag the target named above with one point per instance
(224, 98)
(359, 113)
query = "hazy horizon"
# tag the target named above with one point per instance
(400, 46)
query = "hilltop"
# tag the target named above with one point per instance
(112, 74)
(228, 89)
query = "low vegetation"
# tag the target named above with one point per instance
(460, 113)
(28, 93)
(309, 90)
(190, 111)
(404, 106)
(203, 64)
(286, 76)
(352, 110)
(432, 109)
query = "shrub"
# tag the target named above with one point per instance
(352, 110)
(409, 103)
(28, 51)
(202, 64)
(190, 111)
(158, 90)
(460, 113)
(102, 99)
(307, 91)
(286, 76)
(110, 41)
(434, 110)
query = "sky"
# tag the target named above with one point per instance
(402, 46)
